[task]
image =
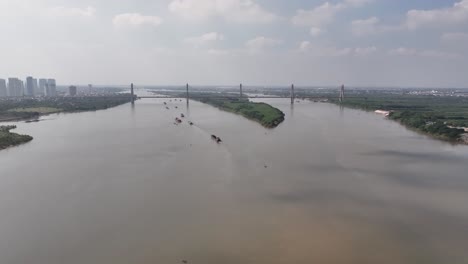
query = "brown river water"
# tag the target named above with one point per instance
(329, 186)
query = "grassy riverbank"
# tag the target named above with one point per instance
(21, 109)
(265, 114)
(439, 116)
(9, 139)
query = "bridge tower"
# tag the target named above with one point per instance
(240, 88)
(292, 94)
(187, 92)
(132, 93)
(342, 95)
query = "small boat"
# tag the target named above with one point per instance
(182, 115)
(167, 108)
(214, 137)
(218, 140)
(165, 103)
(190, 123)
(176, 107)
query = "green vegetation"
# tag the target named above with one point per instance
(438, 116)
(428, 123)
(14, 109)
(262, 113)
(40, 110)
(8, 139)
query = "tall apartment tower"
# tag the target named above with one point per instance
(15, 87)
(35, 87)
(52, 91)
(11, 87)
(29, 86)
(3, 88)
(43, 86)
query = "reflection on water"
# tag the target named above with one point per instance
(342, 110)
(126, 185)
(291, 110)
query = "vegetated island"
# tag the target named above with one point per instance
(442, 117)
(265, 114)
(9, 139)
(31, 108)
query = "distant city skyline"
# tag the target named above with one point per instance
(15, 87)
(372, 43)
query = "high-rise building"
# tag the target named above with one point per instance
(43, 86)
(15, 87)
(35, 87)
(29, 86)
(52, 91)
(72, 90)
(3, 88)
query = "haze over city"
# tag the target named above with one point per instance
(263, 42)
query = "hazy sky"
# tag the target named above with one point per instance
(262, 42)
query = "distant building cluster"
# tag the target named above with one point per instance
(31, 88)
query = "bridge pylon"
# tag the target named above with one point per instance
(240, 89)
(342, 93)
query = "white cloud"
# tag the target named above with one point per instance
(457, 14)
(438, 54)
(337, 52)
(358, 2)
(135, 20)
(330, 51)
(260, 43)
(205, 38)
(62, 11)
(455, 37)
(416, 19)
(402, 51)
(371, 26)
(365, 26)
(315, 31)
(239, 11)
(304, 46)
(319, 17)
(218, 52)
(365, 51)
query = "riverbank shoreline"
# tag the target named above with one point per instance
(31, 109)
(389, 114)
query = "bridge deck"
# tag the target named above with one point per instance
(224, 97)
